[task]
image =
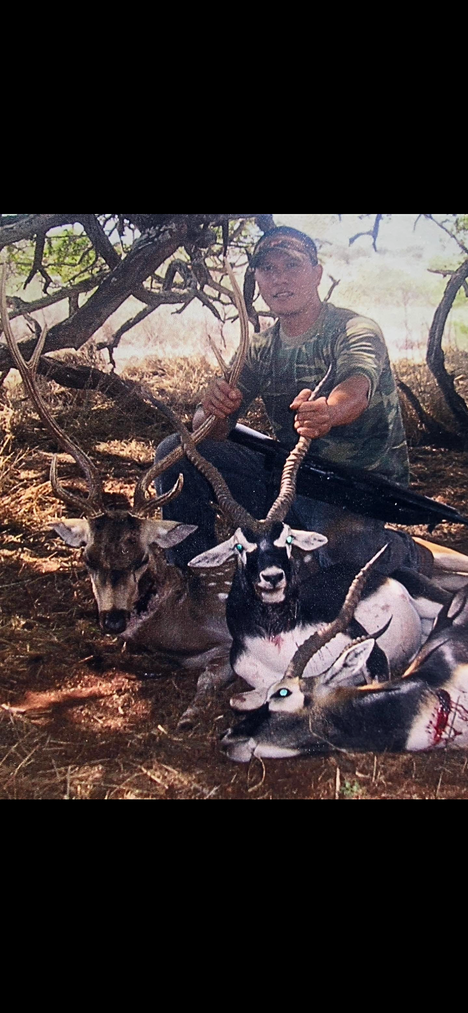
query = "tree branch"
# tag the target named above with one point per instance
(143, 260)
(436, 434)
(22, 308)
(111, 385)
(38, 266)
(100, 241)
(435, 353)
(28, 226)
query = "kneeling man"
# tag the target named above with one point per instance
(357, 423)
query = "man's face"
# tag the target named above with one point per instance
(288, 282)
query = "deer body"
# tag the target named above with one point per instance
(152, 606)
(167, 616)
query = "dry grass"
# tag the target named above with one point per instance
(75, 722)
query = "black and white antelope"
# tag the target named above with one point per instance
(276, 603)
(425, 709)
(154, 607)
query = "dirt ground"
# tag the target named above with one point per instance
(75, 723)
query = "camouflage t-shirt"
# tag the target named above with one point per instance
(353, 345)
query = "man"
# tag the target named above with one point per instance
(358, 423)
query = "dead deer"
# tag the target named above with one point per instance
(425, 709)
(158, 610)
(276, 602)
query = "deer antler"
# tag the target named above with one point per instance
(93, 506)
(317, 641)
(142, 503)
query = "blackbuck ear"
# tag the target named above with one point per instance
(348, 669)
(217, 556)
(74, 533)
(308, 541)
(166, 534)
(458, 609)
(249, 701)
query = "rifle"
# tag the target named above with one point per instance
(356, 489)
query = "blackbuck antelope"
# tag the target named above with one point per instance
(427, 708)
(154, 607)
(276, 603)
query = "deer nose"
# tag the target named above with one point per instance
(115, 621)
(273, 578)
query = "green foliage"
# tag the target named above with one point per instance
(68, 256)
(353, 790)
(462, 224)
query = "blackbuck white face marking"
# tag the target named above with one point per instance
(266, 558)
(286, 697)
(118, 552)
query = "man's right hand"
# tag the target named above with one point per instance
(220, 400)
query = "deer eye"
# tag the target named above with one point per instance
(240, 548)
(282, 694)
(290, 540)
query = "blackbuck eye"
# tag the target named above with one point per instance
(240, 548)
(290, 540)
(282, 694)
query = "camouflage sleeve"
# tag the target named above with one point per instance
(360, 350)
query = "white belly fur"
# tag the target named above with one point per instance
(264, 661)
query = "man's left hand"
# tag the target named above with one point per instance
(314, 419)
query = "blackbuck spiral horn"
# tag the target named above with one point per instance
(318, 641)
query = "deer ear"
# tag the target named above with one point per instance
(309, 541)
(458, 611)
(348, 670)
(250, 701)
(166, 534)
(74, 533)
(217, 556)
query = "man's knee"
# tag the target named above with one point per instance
(166, 447)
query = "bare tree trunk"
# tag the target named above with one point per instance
(435, 353)
(436, 435)
(111, 385)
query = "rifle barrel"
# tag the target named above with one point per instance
(358, 490)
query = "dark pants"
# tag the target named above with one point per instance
(352, 538)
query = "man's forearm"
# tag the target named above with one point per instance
(349, 400)
(346, 403)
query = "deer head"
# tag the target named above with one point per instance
(119, 546)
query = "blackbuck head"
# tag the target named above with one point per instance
(119, 546)
(264, 549)
(266, 559)
(295, 719)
